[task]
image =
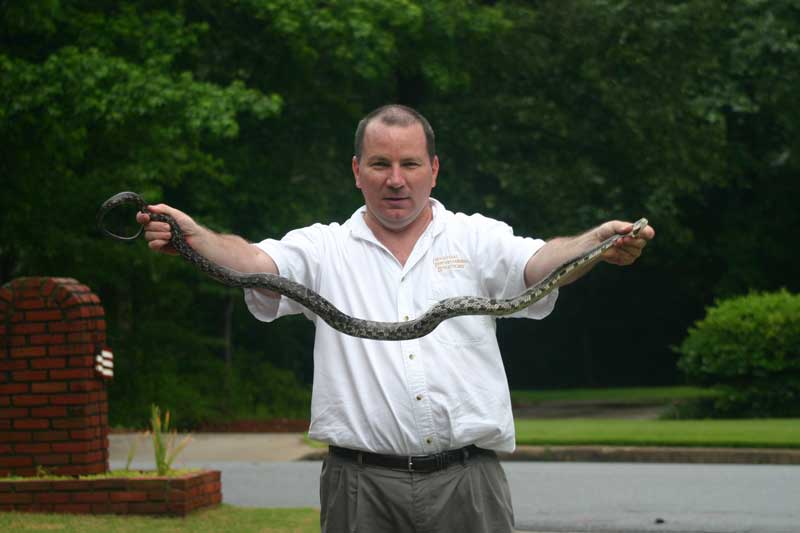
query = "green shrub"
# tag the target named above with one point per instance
(266, 391)
(202, 390)
(749, 347)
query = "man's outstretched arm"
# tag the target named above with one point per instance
(230, 251)
(558, 251)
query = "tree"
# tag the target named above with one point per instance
(552, 116)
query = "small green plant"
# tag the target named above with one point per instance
(164, 441)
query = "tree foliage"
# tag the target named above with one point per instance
(553, 116)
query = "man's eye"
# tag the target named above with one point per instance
(380, 164)
(411, 164)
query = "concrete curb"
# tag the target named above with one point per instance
(638, 454)
(655, 454)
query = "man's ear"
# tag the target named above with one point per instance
(355, 172)
(435, 168)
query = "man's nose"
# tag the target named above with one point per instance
(396, 179)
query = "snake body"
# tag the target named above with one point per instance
(357, 327)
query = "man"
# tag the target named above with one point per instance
(413, 426)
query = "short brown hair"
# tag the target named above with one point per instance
(396, 115)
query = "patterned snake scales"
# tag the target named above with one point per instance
(368, 329)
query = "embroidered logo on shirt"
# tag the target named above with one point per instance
(449, 262)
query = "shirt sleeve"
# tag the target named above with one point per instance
(297, 257)
(502, 257)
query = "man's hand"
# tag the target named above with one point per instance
(628, 249)
(158, 234)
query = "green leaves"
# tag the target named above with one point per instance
(98, 115)
(751, 345)
(756, 334)
(165, 447)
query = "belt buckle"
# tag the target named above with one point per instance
(410, 463)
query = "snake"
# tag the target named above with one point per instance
(335, 318)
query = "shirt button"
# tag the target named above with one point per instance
(419, 396)
(411, 356)
(429, 440)
(405, 317)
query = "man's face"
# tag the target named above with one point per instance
(395, 173)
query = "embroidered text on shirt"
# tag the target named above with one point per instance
(449, 262)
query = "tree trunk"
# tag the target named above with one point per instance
(229, 332)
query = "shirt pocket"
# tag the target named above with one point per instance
(461, 330)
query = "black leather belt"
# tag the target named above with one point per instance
(411, 463)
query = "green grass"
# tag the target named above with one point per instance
(223, 518)
(760, 433)
(618, 395)
(314, 443)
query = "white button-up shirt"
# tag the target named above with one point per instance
(439, 392)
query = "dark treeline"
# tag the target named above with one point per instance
(553, 116)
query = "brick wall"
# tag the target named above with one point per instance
(53, 403)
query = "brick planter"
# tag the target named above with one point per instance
(54, 410)
(175, 496)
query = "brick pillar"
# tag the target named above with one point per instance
(53, 403)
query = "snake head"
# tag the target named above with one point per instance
(115, 201)
(638, 226)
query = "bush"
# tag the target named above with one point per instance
(749, 347)
(266, 391)
(201, 390)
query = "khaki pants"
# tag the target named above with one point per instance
(466, 498)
